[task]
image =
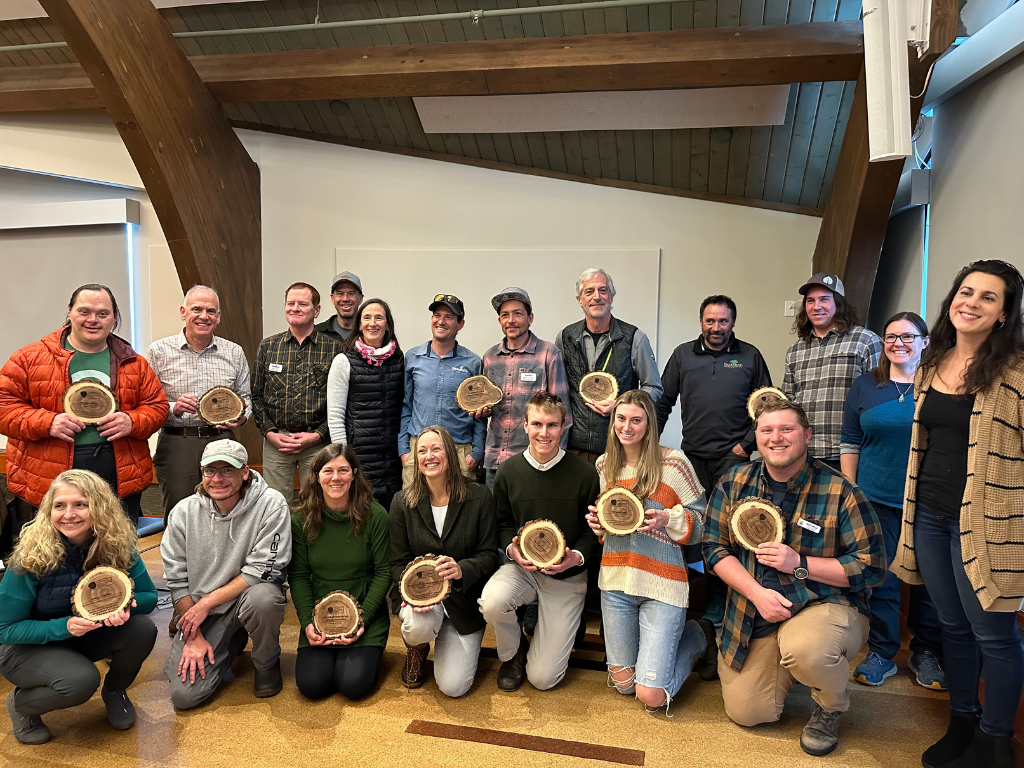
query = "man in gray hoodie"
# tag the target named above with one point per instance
(225, 551)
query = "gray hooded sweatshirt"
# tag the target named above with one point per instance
(203, 550)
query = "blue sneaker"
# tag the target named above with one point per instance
(715, 612)
(928, 671)
(874, 670)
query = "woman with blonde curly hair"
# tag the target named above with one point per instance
(46, 651)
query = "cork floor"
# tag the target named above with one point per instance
(888, 726)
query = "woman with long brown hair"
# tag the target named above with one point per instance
(963, 531)
(339, 541)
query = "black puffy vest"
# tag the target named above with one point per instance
(589, 430)
(53, 591)
(373, 418)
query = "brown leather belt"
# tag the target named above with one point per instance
(198, 431)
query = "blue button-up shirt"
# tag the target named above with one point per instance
(430, 384)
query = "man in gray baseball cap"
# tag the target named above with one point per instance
(346, 295)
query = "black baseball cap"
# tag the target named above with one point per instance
(825, 280)
(454, 303)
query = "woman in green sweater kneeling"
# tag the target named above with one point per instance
(47, 652)
(339, 541)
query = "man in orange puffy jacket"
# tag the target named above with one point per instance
(43, 440)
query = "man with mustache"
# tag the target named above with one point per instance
(347, 296)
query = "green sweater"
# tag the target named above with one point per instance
(18, 594)
(336, 559)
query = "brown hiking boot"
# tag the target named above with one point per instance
(172, 625)
(414, 672)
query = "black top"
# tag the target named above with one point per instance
(769, 577)
(942, 476)
(373, 419)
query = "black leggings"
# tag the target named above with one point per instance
(99, 458)
(325, 670)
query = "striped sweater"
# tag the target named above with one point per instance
(992, 509)
(652, 564)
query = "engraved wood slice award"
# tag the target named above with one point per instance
(598, 386)
(89, 401)
(101, 593)
(756, 521)
(761, 396)
(477, 392)
(542, 543)
(221, 405)
(619, 511)
(337, 614)
(420, 585)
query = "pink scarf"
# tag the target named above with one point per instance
(375, 356)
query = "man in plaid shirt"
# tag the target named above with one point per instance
(797, 610)
(832, 350)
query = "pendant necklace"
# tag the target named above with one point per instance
(902, 394)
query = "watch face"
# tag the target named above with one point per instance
(800, 573)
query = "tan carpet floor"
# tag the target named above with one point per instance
(888, 726)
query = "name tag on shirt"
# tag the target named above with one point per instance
(812, 527)
(527, 376)
(275, 367)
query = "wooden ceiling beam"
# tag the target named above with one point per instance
(685, 58)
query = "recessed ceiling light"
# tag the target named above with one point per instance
(721, 135)
(339, 107)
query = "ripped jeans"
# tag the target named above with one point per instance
(653, 637)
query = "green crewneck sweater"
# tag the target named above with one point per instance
(336, 559)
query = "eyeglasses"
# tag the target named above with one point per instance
(225, 472)
(448, 297)
(906, 338)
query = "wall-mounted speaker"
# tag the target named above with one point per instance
(887, 76)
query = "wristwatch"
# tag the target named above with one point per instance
(800, 572)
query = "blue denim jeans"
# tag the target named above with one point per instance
(653, 637)
(972, 638)
(922, 618)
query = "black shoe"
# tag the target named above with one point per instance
(581, 631)
(954, 743)
(986, 752)
(530, 619)
(268, 682)
(821, 734)
(512, 673)
(120, 711)
(28, 729)
(707, 664)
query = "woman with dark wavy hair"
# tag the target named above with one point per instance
(963, 527)
(339, 541)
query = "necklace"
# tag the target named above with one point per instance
(910, 386)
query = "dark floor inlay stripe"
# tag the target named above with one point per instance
(522, 741)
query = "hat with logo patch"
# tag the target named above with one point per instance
(825, 280)
(351, 277)
(230, 451)
(512, 294)
(454, 303)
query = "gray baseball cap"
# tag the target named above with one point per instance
(231, 451)
(352, 277)
(512, 294)
(825, 280)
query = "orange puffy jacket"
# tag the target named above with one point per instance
(32, 385)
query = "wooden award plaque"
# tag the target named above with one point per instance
(221, 405)
(542, 543)
(477, 392)
(598, 386)
(756, 521)
(101, 593)
(619, 511)
(420, 585)
(761, 396)
(337, 614)
(89, 401)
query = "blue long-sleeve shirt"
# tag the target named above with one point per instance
(430, 385)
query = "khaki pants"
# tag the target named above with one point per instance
(463, 449)
(814, 648)
(279, 468)
(176, 463)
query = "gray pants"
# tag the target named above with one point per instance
(279, 468)
(455, 656)
(259, 611)
(559, 607)
(176, 463)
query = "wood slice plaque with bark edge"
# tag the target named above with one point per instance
(763, 395)
(420, 585)
(619, 511)
(337, 614)
(101, 593)
(477, 392)
(542, 543)
(89, 401)
(221, 405)
(756, 521)
(598, 386)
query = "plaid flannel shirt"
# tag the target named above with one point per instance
(289, 383)
(847, 529)
(819, 372)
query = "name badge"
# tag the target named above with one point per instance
(812, 527)
(275, 367)
(526, 376)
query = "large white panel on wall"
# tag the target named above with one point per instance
(549, 276)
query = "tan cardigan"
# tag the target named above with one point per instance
(992, 509)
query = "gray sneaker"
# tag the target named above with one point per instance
(927, 671)
(27, 729)
(821, 734)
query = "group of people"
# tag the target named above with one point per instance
(901, 453)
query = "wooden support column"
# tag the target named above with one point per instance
(203, 184)
(857, 215)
